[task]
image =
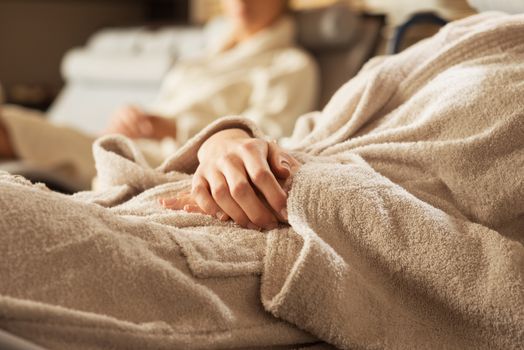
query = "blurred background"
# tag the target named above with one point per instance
(158, 71)
(36, 36)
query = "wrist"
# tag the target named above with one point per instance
(217, 141)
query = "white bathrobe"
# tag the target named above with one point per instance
(266, 79)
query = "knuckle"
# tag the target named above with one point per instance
(261, 176)
(230, 157)
(220, 191)
(198, 189)
(226, 159)
(251, 145)
(240, 189)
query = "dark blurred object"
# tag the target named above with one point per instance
(35, 174)
(340, 40)
(35, 34)
(31, 96)
(174, 11)
(424, 18)
(339, 65)
(324, 28)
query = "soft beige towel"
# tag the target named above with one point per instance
(407, 224)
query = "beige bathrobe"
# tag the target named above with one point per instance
(266, 79)
(407, 225)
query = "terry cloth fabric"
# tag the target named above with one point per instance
(407, 225)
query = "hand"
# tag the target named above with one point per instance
(183, 201)
(135, 123)
(238, 177)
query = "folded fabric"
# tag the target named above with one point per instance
(114, 67)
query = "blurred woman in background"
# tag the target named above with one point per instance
(255, 71)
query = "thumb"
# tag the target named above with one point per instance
(279, 161)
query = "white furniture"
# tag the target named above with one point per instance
(119, 67)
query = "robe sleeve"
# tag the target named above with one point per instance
(381, 268)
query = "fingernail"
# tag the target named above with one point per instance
(284, 162)
(283, 213)
(220, 215)
(252, 226)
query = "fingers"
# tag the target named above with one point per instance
(183, 201)
(179, 204)
(171, 203)
(240, 177)
(176, 203)
(131, 122)
(119, 124)
(162, 127)
(193, 208)
(244, 195)
(137, 123)
(203, 198)
(279, 161)
(221, 194)
(263, 178)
